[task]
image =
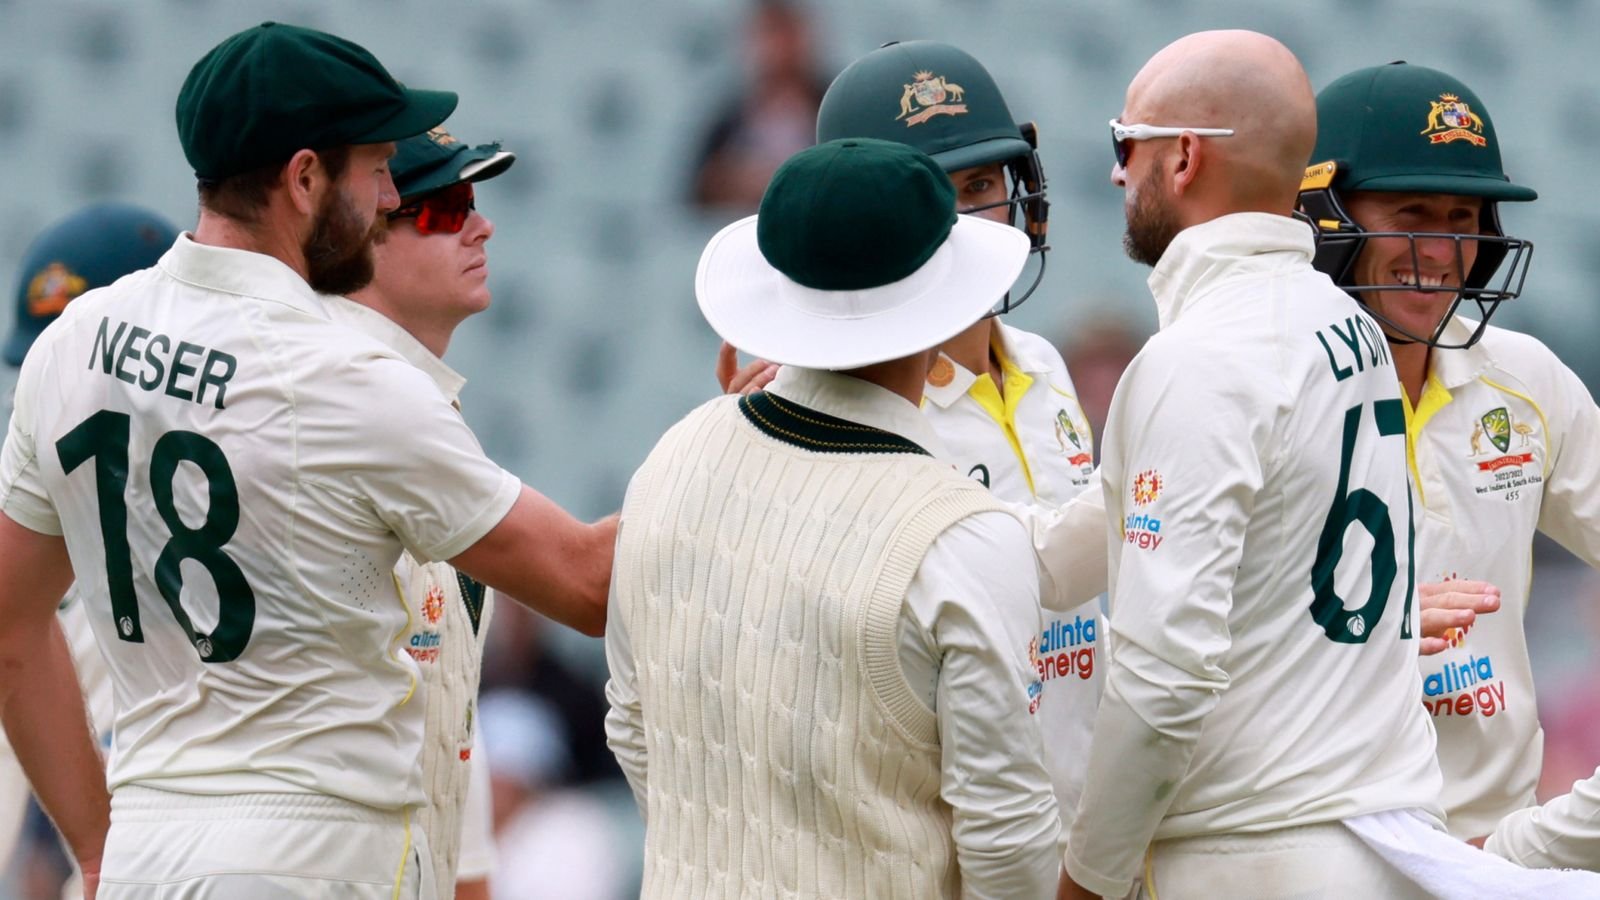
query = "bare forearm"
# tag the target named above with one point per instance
(548, 561)
(48, 727)
(575, 585)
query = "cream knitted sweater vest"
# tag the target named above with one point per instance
(762, 566)
(449, 621)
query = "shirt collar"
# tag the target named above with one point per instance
(1015, 349)
(386, 331)
(1224, 247)
(858, 401)
(1457, 367)
(243, 273)
(950, 380)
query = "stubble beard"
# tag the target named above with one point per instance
(1152, 224)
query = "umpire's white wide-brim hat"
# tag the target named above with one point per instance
(856, 257)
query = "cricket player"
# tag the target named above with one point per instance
(430, 273)
(88, 249)
(819, 631)
(999, 398)
(232, 477)
(1405, 184)
(1261, 587)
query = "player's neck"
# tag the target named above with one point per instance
(1411, 362)
(221, 231)
(905, 376)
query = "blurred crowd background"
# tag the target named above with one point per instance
(642, 127)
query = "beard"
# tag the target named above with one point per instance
(1151, 222)
(338, 250)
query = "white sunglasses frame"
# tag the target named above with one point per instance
(1138, 132)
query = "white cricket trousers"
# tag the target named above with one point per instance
(170, 846)
(1310, 862)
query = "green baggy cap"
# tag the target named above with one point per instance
(270, 91)
(437, 160)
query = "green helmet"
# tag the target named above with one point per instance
(940, 100)
(89, 249)
(1402, 128)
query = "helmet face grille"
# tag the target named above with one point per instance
(1498, 272)
(1497, 275)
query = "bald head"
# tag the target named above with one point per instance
(1241, 80)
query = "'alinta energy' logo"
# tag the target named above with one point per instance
(1450, 119)
(433, 605)
(1146, 487)
(925, 98)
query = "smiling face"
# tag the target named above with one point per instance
(1437, 261)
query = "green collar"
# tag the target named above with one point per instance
(808, 429)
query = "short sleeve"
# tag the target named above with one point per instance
(22, 490)
(418, 464)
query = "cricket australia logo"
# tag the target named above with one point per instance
(1071, 440)
(1450, 119)
(1066, 432)
(927, 95)
(1498, 425)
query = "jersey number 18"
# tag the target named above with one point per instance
(104, 438)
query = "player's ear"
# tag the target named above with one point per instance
(305, 179)
(1185, 162)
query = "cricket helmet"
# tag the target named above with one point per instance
(1410, 129)
(89, 249)
(940, 100)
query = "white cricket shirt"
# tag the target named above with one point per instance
(1504, 440)
(235, 477)
(1032, 446)
(1262, 672)
(450, 615)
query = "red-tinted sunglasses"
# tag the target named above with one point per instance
(444, 211)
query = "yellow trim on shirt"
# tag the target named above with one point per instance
(405, 853)
(1150, 872)
(1435, 396)
(400, 591)
(1003, 410)
(1543, 423)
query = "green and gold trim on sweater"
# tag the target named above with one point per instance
(808, 429)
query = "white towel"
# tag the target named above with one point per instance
(1450, 869)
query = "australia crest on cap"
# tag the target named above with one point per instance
(1451, 119)
(929, 95)
(52, 289)
(443, 138)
